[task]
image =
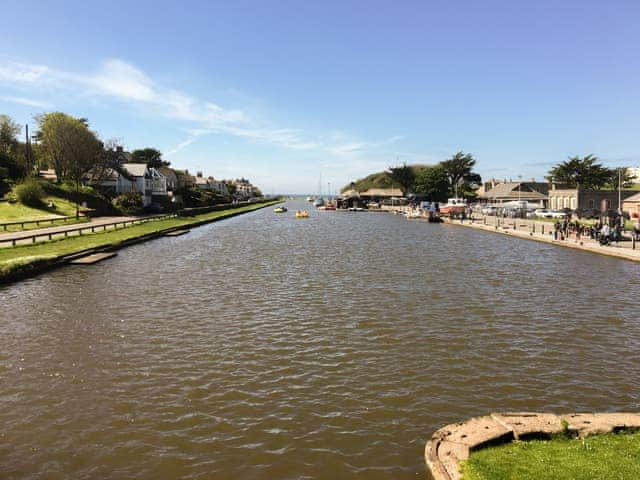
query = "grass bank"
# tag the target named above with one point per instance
(596, 457)
(25, 260)
(18, 212)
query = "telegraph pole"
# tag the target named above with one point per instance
(27, 151)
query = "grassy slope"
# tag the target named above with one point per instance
(597, 457)
(16, 212)
(377, 180)
(13, 258)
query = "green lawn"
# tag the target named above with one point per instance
(13, 258)
(18, 212)
(611, 456)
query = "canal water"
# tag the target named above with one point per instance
(265, 347)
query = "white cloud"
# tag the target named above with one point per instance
(27, 101)
(22, 73)
(122, 81)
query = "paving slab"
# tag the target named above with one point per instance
(595, 423)
(176, 233)
(476, 432)
(527, 424)
(93, 258)
(451, 454)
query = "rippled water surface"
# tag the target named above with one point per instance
(266, 347)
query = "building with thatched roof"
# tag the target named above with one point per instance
(379, 194)
(631, 205)
(499, 193)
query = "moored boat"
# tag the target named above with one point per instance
(280, 209)
(454, 206)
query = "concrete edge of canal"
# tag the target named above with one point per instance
(452, 444)
(633, 255)
(44, 265)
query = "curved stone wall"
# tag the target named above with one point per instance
(452, 444)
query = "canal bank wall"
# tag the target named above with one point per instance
(452, 444)
(529, 233)
(42, 265)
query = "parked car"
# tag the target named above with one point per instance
(542, 212)
(558, 214)
(489, 210)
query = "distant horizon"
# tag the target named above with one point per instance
(283, 93)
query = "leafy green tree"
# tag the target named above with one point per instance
(459, 170)
(403, 176)
(150, 156)
(9, 131)
(433, 181)
(585, 172)
(71, 146)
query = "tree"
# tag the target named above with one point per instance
(585, 172)
(433, 181)
(404, 176)
(9, 131)
(459, 171)
(150, 156)
(72, 147)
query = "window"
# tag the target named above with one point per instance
(592, 203)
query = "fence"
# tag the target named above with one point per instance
(70, 231)
(36, 222)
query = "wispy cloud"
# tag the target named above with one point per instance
(27, 101)
(122, 81)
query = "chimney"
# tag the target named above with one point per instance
(199, 174)
(119, 149)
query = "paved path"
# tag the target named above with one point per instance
(94, 222)
(542, 232)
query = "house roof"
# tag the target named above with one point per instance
(48, 174)
(135, 169)
(350, 194)
(382, 192)
(201, 181)
(509, 190)
(101, 175)
(633, 198)
(169, 173)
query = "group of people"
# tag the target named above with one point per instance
(602, 232)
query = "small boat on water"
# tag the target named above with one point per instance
(310, 199)
(319, 202)
(302, 214)
(454, 206)
(280, 209)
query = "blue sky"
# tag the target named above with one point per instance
(284, 92)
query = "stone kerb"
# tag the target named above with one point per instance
(452, 444)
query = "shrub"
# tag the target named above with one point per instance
(30, 192)
(129, 202)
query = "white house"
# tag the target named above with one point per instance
(137, 177)
(218, 186)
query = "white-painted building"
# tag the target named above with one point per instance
(137, 177)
